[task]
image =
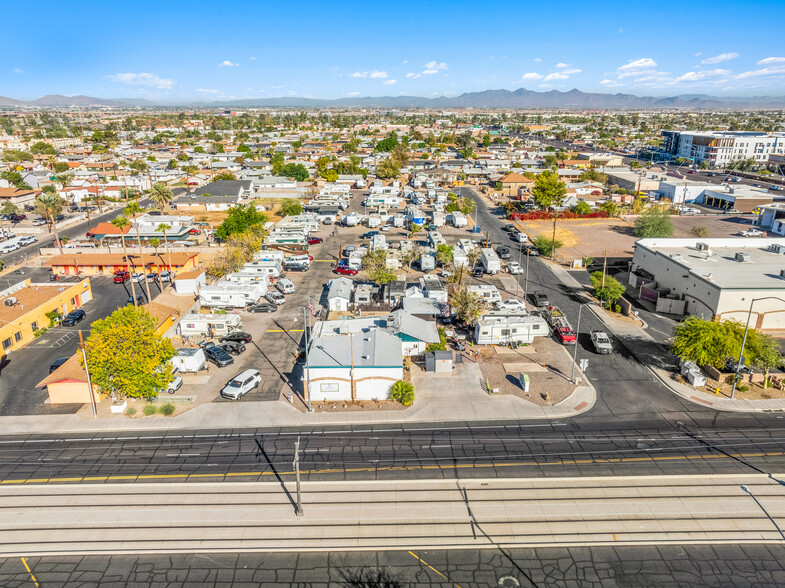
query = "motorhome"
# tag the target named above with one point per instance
(435, 239)
(209, 324)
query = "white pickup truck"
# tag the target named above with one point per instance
(601, 341)
(752, 233)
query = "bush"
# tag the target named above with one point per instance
(149, 409)
(402, 392)
(167, 409)
(131, 411)
(545, 244)
(742, 388)
(617, 308)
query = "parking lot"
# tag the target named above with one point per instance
(23, 369)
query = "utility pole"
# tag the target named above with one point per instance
(604, 264)
(553, 240)
(87, 373)
(526, 278)
(299, 508)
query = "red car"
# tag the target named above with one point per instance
(346, 270)
(120, 277)
(315, 240)
(195, 232)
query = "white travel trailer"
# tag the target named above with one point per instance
(264, 268)
(510, 329)
(458, 219)
(399, 220)
(269, 255)
(204, 324)
(189, 360)
(459, 256)
(488, 293)
(373, 221)
(352, 219)
(490, 261)
(438, 219)
(247, 278)
(231, 294)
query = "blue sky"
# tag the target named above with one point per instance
(177, 51)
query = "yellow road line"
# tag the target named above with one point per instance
(284, 331)
(433, 568)
(325, 260)
(29, 571)
(112, 478)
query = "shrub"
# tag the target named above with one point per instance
(167, 409)
(131, 411)
(546, 245)
(742, 388)
(402, 392)
(617, 308)
(149, 409)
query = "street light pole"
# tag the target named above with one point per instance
(553, 240)
(744, 341)
(526, 277)
(299, 508)
(577, 336)
(306, 327)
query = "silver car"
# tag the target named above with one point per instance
(241, 384)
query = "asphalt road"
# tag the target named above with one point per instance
(671, 566)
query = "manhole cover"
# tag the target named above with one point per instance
(508, 582)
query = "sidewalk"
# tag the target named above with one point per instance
(440, 398)
(662, 364)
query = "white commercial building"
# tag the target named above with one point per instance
(719, 148)
(713, 278)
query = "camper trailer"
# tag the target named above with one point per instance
(399, 220)
(458, 219)
(502, 330)
(490, 261)
(209, 324)
(231, 294)
(489, 294)
(427, 262)
(269, 255)
(189, 360)
(435, 239)
(271, 269)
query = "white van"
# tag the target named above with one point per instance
(306, 259)
(285, 286)
(9, 247)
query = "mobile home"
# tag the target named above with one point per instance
(490, 261)
(206, 324)
(231, 294)
(512, 329)
(489, 294)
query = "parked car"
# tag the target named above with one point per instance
(348, 250)
(37, 222)
(233, 347)
(503, 252)
(139, 300)
(385, 229)
(174, 385)
(275, 297)
(73, 317)
(137, 277)
(519, 237)
(315, 240)
(241, 384)
(59, 217)
(218, 355)
(165, 276)
(152, 276)
(752, 233)
(511, 304)
(121, 276)
(27, 240)
(344, 269)
(195, 232)
(57, 363)
(478, 272)
(369, 234)
(540, 299)
(296, 266)
(241, 336)
(262, 307)
(510, 228)
(285, 286)
(514, 267)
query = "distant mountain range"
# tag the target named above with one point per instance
(521, 98)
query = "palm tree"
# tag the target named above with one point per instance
(50, 206)
(160, 195)
(121, 222)
(133, 210)
(155, 242)
(162, 228)
(189, 171)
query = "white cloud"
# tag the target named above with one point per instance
(18, 70)
(389, 82)
(359, 74)
(376, 74)
(430, 72)
(719, 58)
(562, 65)
(252, 58)
(556, 76)
(435, 65)
(571, 71)
(610, 83)
(538, 59)
(413, 75)
(227, 63)
(636, 67)
(698, 54)
(776, 70)
(142, 79)
(354, 93)
(531, 76)
(207, 90)
(696, 76)
(771, 60)
(405, 61)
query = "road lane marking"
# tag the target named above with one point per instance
(29, 571)
(112, 478)
(422, 561)
(284, 331)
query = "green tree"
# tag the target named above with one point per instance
(653, 223)
(610, 292)
(388, 143)
(707, 342)
(291, 207)
(9, 208)
(41, 148)
(238, 220)
(121, 223)
(125, 355)
(442, 344)
(60, 167)
(160, 195)
(414, 228)
(444, 255)
(550, 161)
(49, 206)
(468, 306)
(224, 176)
(403, 392)
(331, 175)
(582, 208)
(764, 353)
(545, 245)
(387, 168)
(295, 170)
(548, 190)
(375, 266)
(162, 228)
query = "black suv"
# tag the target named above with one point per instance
(504, 252)
(240, 336)
(262, 307)
(73, 317)
(233, 347)
(540, 299)
(218, 355)
(369, 234)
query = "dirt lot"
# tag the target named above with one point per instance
(591, 237)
